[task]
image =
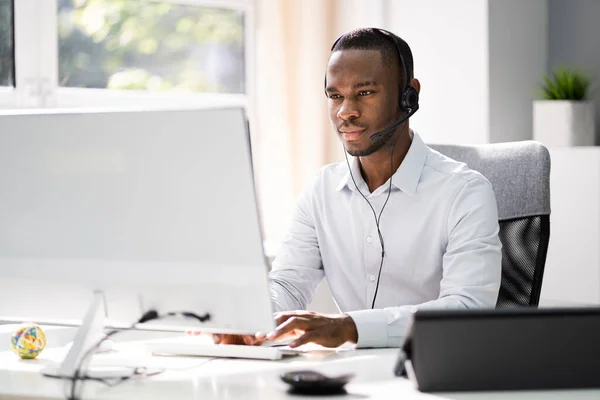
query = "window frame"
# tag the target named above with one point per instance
(36, 65)
(7, 97)
(7, 93)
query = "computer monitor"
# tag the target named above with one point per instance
(153, 209)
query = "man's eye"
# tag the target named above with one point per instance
(365, 92)
(334, 96)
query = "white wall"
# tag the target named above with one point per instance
(352, 14)
(573, 264)
(574, 34)
(449, 43)
(517, 58)
(572, 273)
(478, 61)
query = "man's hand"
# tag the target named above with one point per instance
(305, 326)
(249, 340)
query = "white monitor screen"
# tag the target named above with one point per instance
(156, 208)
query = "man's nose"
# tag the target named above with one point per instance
(348, 111)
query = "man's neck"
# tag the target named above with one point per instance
(375, 168)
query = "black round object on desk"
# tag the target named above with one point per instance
(314, 383)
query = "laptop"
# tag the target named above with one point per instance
(516, 349)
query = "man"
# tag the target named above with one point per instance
(430, 219)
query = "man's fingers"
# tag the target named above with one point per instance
(258, 340)
(227, 339)
(235, 339)
(308, 337)
(281, 317)
(293, 334)
(231, 339)
(248, 340)
(288, 328)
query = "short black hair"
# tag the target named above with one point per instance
(375, 39)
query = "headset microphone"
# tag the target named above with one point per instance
(390, 129)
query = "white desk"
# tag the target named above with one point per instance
(197, 378)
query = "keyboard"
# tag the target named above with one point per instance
(191, 346)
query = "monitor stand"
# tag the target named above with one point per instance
(88, 336)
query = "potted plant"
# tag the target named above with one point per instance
(565, 117)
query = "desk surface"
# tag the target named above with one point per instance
(207, 379)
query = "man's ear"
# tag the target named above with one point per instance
(416, 84)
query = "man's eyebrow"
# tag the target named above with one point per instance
(329, 89)
(366, 83)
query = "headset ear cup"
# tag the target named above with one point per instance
(410, 98)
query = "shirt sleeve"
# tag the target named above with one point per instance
(472, 265)
(297, 269)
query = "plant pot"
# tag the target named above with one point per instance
(564, 123)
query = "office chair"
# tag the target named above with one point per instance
(520, 175)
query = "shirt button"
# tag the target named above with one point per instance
(372, 278)
(369, 239)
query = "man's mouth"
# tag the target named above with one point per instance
(351, 135)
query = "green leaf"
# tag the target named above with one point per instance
(565, 84)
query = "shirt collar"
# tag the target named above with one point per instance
(407, 176)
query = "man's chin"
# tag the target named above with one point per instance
(353, 147)
(360, 152)
(356, 149)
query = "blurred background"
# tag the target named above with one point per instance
(481, 64)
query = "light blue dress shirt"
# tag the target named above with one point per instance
(440, 230)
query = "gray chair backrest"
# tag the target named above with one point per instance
(520, 175)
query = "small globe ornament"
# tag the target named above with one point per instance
(28, 340)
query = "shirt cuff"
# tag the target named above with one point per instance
(371, 326)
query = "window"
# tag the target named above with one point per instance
(124, 53)
(7, 52)
(154, 46)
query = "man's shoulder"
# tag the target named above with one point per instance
(330, 174)
(461, 187)
(336, 170)
(439, 167)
